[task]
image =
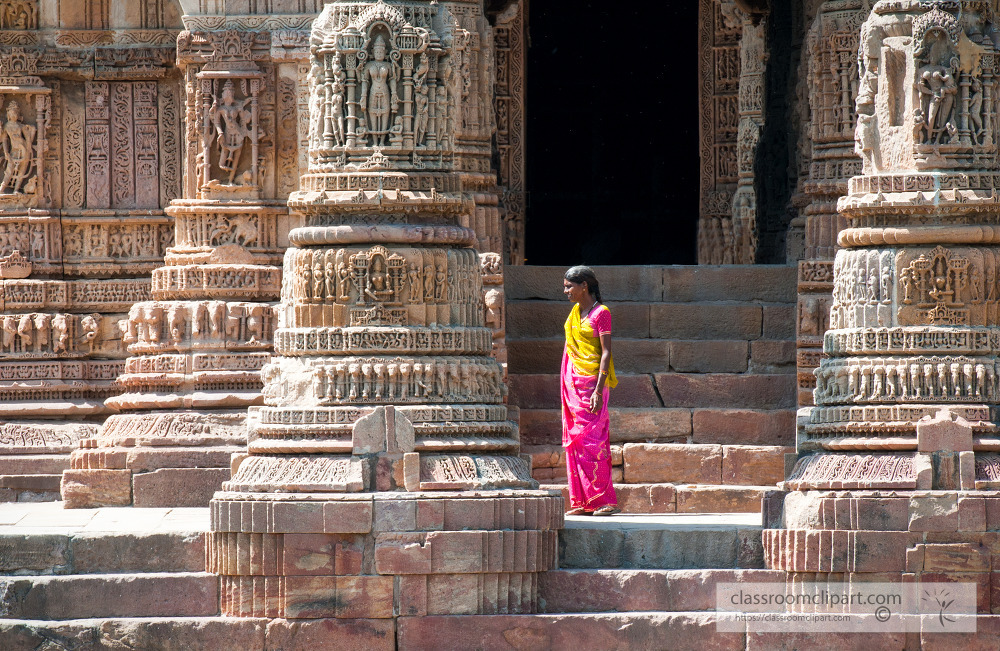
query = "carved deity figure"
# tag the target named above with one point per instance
(378, 92)
(421, 99)
(334, 132)
(938, 88)
(16, 150)
(42, 322)
(231, 120)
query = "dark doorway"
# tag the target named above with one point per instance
(612, 132)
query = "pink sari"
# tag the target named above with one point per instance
(586, 436)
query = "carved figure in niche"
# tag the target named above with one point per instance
(9, 332)
(232, 127)
(154, 316)
(175, 323)
(233, 319)
(216, 313)
(317, 275)
(60, 333)
(428, 283)
(16, 151)
(90, 325)
(976, 107)
(439, 280)
(378, 92)
(42, 322)
(24, 330)
(331, 275)
(18, 14)
(255, 324)
(413, 276)
(200, 314)
(938, 88)
(335, 114)
(343, 273)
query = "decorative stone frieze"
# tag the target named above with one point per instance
(199, 343)
(384, 430)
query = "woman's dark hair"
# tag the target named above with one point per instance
(581, 274)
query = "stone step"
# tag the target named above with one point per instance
(215, 633)
(79, 596)
(665, 425)
(39, 539)
(658, 321)
(682, 498)
(587, 591)
(667, 542)
(678, 283)
(766, 391)
(33, 464)
(531, 356)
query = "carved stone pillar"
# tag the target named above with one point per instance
(902, 444)
(832, 53)
(198, 347)
(383, 452)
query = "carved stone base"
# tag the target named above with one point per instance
(174, 459)
(381, 555)
(885, 536)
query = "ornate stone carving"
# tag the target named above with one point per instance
(381, 388)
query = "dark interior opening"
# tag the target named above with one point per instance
(612, 133)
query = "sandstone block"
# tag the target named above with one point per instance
(640, 355)
(743, 426)
(934, 513)
(321, 554)
(452, 594)
(653, 424)
(704, 321)
(727, 390)
(657, 463)
(140, 552)
(718, 499)
(90, 488)
(402, 553)
(341, 634)
(772, 355)
(767, 283)
(308, 597)
(40, 554)
(535, 355)
(708, 357)
(955, 558)
(178, 487)
(753, 465)
(295, 517)
(779, 322)
(347, 516)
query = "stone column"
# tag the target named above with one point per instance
(898, 460)
(832, 77)
(383, 477)
(198, 347)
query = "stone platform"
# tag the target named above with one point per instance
(114, 578)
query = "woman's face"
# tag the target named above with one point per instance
(574, 291)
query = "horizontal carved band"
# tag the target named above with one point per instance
(76, 295)
(383, 234)
(245, 281)
(878, 419)
(916, 340)
(950, 234)
(383, 340)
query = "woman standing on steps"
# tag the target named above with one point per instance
(587, 375)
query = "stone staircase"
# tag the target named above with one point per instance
(131, 578)
(704, 411)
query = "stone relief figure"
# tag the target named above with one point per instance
(90, 325)
(378, 92)
(938, 88)
(421, 99)
(16, 151)
(335, 113)
(976, 107)
(60, 333)
(231, 120)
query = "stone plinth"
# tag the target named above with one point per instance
(898, 454)
(198, 346)
(383, 476)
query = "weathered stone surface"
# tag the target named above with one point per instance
(654, 463)
(122, 595)
(743, 426)
(348, 634)
(719, 499)
(704, 321)
(178, 487)
(582, 632)
(726, 390)
(707, 357)
(753, 465)
(148, 552)
(88, 488)
(229, 634)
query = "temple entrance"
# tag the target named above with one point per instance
(612, 172)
